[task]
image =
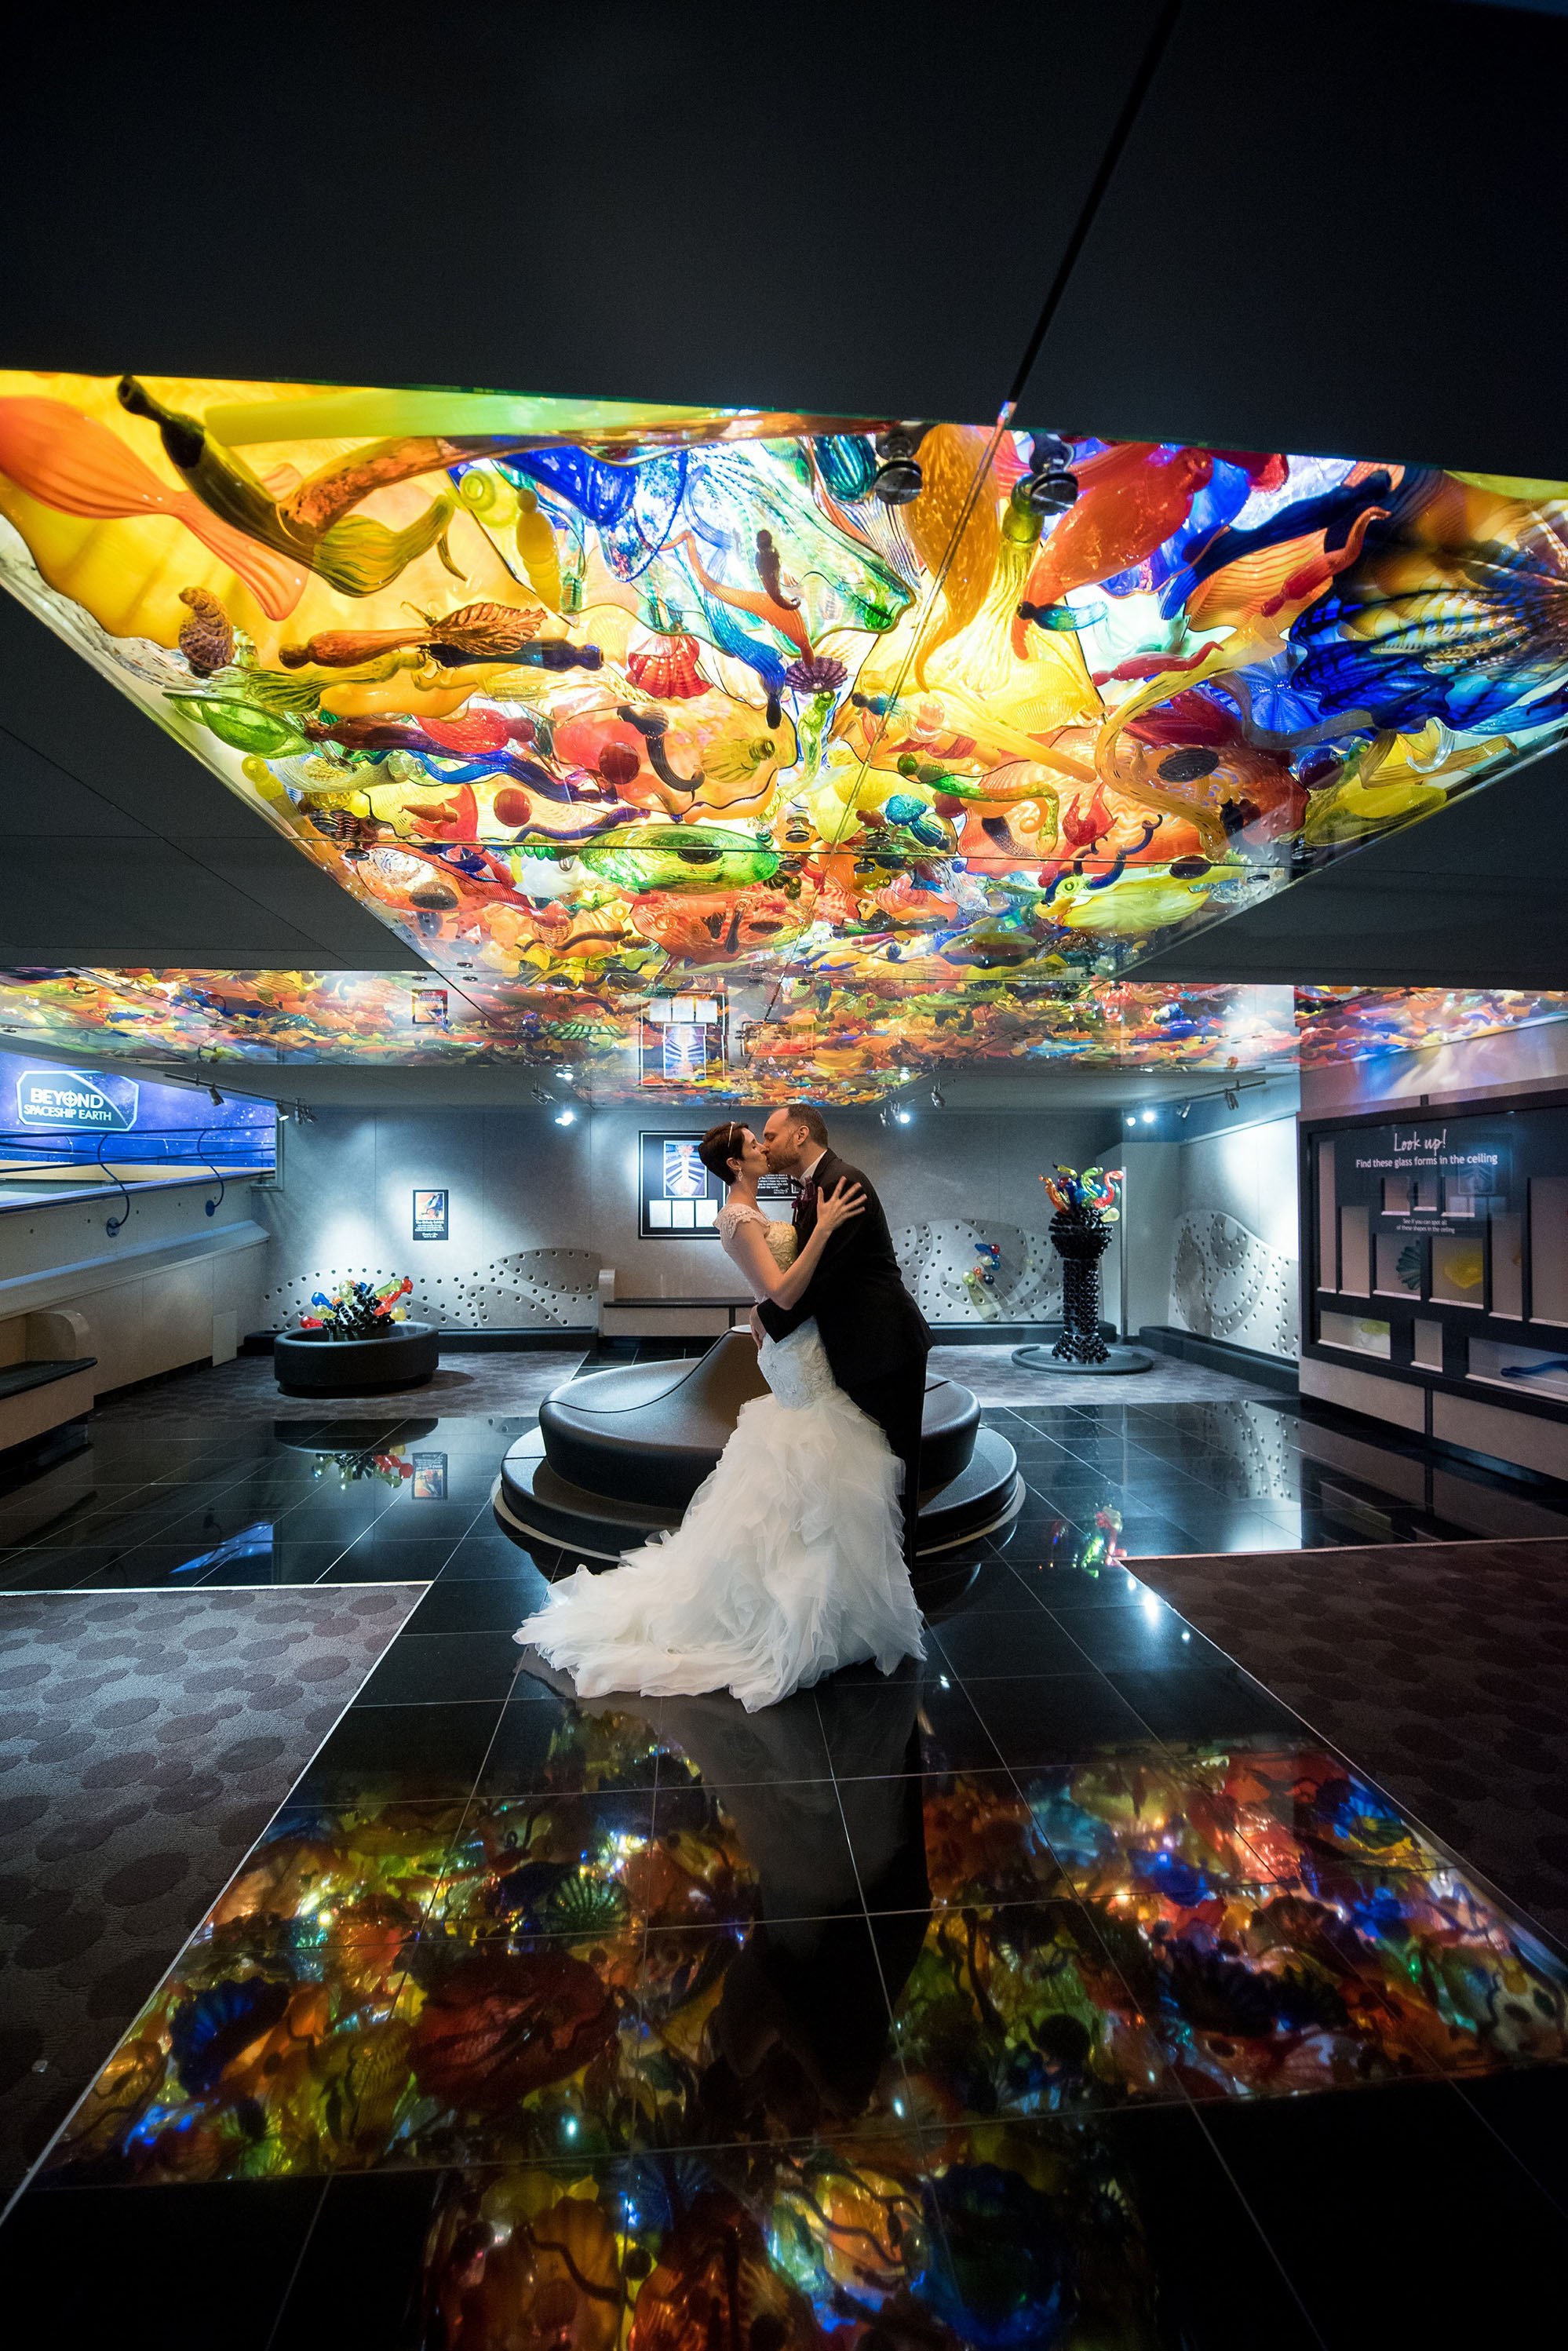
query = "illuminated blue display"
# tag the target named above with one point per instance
(75, 1117)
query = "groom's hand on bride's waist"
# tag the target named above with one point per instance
(757, 1329)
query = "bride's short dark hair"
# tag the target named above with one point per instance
(718, 1146)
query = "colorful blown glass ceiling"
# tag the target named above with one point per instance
(828, 1042)
(594, 705)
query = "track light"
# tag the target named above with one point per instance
(903, 1115)
(543, 1094)
(566, 1118)
(1149, 1117)
(1184, 1110)
(303, 1116)
(213, 1096)
(1232, 1100)
(1132, 1118)
(938, 1099)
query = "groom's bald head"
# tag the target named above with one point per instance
(794, 1137)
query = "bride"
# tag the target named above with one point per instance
(789, 1560)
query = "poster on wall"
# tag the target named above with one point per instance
(679, 1199)
(429, 1216)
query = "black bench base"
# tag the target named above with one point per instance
(535, 1504)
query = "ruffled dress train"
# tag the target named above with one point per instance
(787, 1564)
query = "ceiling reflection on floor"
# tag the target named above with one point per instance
(890, 742)
(623, 1955)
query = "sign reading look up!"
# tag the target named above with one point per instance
(1418, 1146)
(70, 1098)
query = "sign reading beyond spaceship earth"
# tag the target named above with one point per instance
(595, 704)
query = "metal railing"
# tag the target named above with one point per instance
(142, 1155)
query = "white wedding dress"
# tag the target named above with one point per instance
(789, 1562)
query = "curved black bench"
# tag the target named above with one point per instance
(652, 1432)
(618, 1454)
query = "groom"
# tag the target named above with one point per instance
(874, 1336)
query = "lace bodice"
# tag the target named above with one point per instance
(779, 1236)
(795, 1368)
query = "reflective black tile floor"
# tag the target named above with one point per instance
(1064, 1989)
(200, 1499)
(295, 1500)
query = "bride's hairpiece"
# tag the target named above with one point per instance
(718, 1146)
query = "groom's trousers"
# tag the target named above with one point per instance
(896, 1404)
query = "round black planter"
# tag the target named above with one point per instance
(306, 1364)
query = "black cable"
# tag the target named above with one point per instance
(113, 1223)
(212, 1206)
(1165, 26)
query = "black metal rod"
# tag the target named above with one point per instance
(1165, 26)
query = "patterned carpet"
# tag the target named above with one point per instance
(1442, 1668)
(146, 1738)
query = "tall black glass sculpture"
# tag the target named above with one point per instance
(1085, 1209)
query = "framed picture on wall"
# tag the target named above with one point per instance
(678, 1200)
(428, 1215)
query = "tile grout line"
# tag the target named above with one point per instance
(293, 2279)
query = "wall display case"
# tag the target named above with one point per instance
(1436, 1257)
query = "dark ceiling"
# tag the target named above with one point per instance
(1472, 898)
(125, 850)
(1336, 229)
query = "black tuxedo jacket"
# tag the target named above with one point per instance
(871, 1327)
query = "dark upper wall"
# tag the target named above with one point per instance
(1337, 228)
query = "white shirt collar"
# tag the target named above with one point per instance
(808, 1174)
